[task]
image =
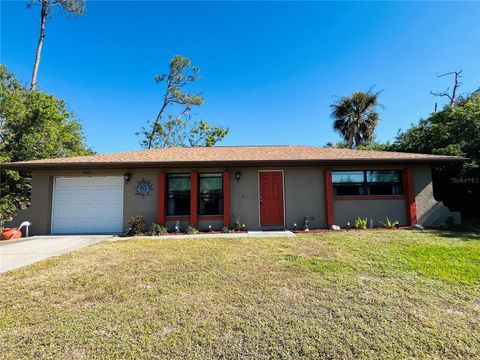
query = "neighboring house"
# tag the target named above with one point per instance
(266, 187)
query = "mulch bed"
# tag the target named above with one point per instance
(183, 233)
(322, 231)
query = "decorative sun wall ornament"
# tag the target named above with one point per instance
(143, 188)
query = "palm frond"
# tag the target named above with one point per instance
(355, 117)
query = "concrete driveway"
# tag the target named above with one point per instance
(17, 253)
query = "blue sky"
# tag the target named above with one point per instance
(271, 70)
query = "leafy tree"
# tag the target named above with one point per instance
(176, 128)
(453, 131)
(338, 145)
(203, 134)
(377, 146)
(72, 7)
(355, 117)
(33, 125)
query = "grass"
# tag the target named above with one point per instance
(381, 294)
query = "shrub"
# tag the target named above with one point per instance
(238, 224)
(361, 223)
(137, 225)
(389, 224)
(191, 230)
(227, 230)
(157, 229)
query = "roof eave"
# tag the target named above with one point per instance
(155, 164)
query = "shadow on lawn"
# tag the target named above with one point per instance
(462, 235)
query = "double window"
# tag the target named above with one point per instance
(377, 182)
(210, 194)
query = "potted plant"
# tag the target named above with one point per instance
(11, 233)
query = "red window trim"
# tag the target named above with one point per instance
(177, 217)
(194, 198)
(161, 199)
(210, 217)
(410, 201)
(408, 195)
(165, 197)
(162, 218)
(226, 198)
(198, 190)
(329, 197)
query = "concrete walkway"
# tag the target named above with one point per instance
(17, 253)
(251, 234)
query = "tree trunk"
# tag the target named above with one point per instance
(350, 141)
(453, 99)
(43, 14)
(157, 122)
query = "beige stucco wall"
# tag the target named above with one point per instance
(376, 210)
(137, 205)
(429, 211)
(40, 211)
(215, 224)
(304, 196)
(348, 210)
(244, 197)
(183, 224)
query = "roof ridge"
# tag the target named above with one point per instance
(227, 146)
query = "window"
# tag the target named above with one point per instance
(384, 183)
(378, 182)
(178, 190)
(210, 194)
(348, 183)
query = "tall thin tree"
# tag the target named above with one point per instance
(174, 125)
(355, 117)
(73, 7)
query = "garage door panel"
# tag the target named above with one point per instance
(94, 211)
(88, 205)
(89, 198)
(91, 225)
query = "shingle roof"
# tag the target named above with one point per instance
(224, 155)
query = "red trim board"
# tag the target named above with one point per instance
(329, 198)
(409, 191)
(194, 199)
(161, 198)
(226, 198)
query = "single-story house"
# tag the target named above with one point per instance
(265, 187)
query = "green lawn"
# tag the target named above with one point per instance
(384, 294)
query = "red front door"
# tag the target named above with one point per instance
(271, 198)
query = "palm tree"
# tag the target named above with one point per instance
(355, 117)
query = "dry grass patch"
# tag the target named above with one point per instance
(385, 294)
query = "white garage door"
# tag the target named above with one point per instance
(87, 205)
